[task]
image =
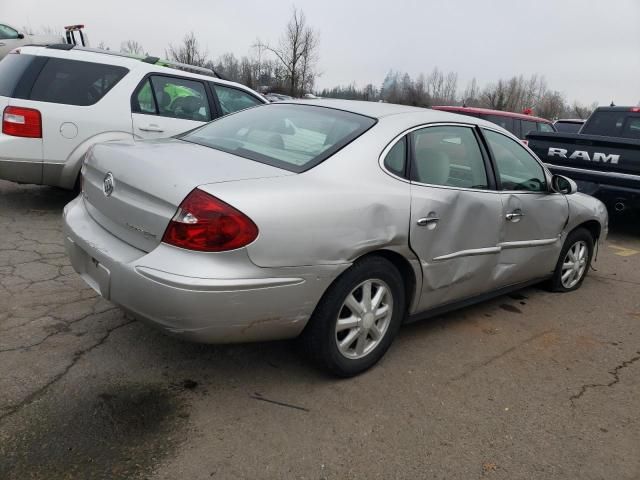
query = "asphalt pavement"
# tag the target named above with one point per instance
(533, 385)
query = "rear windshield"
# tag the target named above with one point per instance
(293, 137)
(568, 127)
(613, 124)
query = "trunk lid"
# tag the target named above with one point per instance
(150, 179)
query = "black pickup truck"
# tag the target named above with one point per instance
(603, 158)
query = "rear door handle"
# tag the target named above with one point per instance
(423, 222)
(514, 216)
(152, 128)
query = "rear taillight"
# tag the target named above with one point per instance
(22, 122)
(207, 224)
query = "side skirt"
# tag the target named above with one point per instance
(458, 304)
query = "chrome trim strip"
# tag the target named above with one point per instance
(622, 176)
(213, 284)
(468, 253)
(497, 249)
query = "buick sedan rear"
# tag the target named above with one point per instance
(331, 221)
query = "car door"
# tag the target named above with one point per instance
(534, 217)
(9, 39)
(163, 106)
(456, 214)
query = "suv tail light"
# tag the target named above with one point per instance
(207, 224)
(22, 122)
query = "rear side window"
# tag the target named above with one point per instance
(528, 127)
(233, 99)
(72, 82)
(396, 158)
(504, 122)
(17, 73)
(448, 156)
(292, 137)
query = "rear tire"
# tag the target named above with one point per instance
(574, 261)
(357, 319)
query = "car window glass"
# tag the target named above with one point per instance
(568, 127)
(181, 98)
(396, 158)
(504, 122)
(448, 156)
(517, 169)
(545, 127)
(233, 99)
(527, 126)
(73, 82)
(7, 33)
(143, 101)
(632, 128)
(293, 137)
(605, 123)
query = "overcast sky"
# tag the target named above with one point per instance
(587, 49)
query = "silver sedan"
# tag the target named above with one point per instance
(332, 221)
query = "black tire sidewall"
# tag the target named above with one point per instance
(326, 315)
(572, 238)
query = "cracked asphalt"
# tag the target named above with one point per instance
(531, 385)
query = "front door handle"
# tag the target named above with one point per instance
(152, 128)
(423, 222)
(514, 216)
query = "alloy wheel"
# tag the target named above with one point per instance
(574, 264)
(364, 318)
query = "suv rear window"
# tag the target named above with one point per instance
(74, 82)
(292, 137)
(14, 72)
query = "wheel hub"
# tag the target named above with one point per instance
(367, 320)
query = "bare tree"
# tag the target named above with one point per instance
(103, 46)
(297, 52)
(188, 52)
(132, 47)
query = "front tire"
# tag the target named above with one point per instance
(357, 319)
(574, 261)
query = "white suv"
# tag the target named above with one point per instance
(58, 101)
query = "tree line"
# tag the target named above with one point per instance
(290, 66)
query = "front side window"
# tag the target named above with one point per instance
(176, 98)
(73, 82)
(396, 158)
(233, 99)
(517, 169)
(292, 137)
(7, 33)
(448, 156)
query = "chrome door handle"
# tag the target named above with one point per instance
(514, 216)
(151, 128)
(423, 222)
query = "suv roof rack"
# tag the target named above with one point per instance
(147, 59)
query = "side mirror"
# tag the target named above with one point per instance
(564, 185)
(20, 36)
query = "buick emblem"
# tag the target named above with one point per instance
(108, 184)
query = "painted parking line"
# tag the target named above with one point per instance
(624, 251)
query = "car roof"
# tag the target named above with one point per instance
(123, 60)
(488, 111)
(379, 110)
(369, 109)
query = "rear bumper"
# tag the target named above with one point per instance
(21, 171)
(236, 302)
